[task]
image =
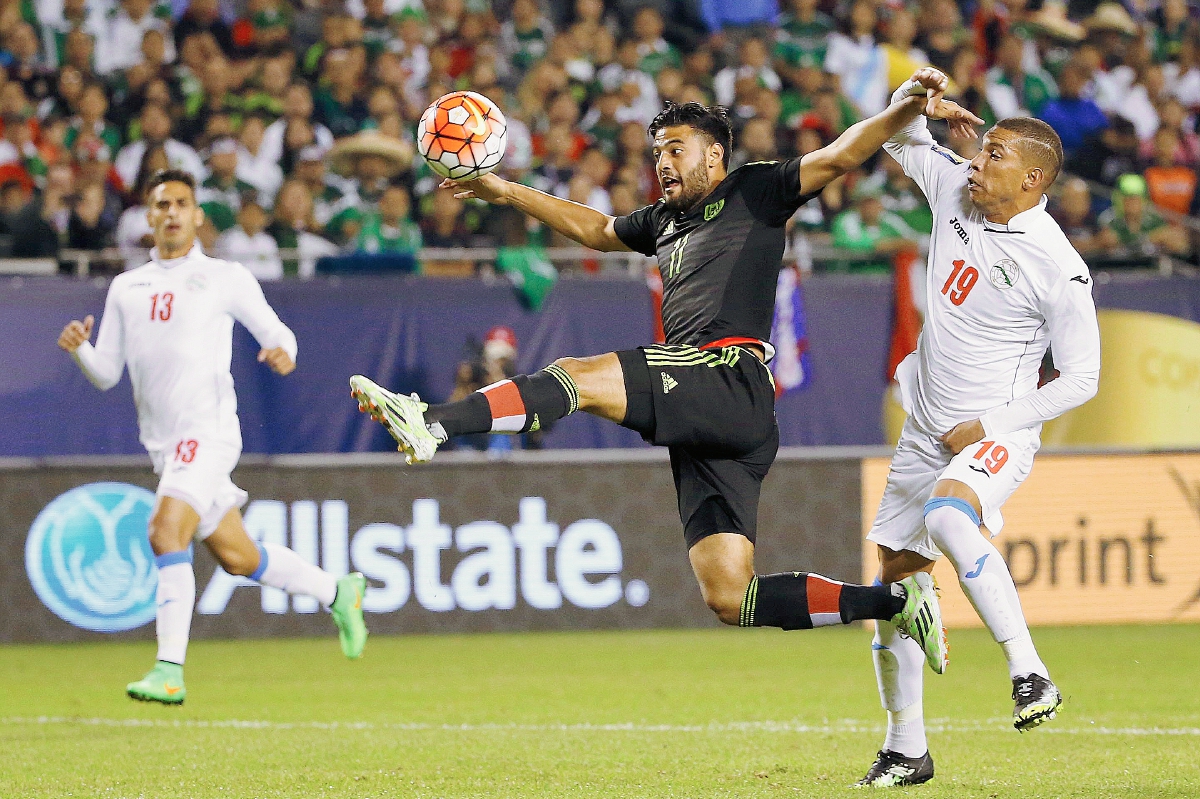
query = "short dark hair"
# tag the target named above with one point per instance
(1038, 142)
(171, 176)
(710, 120)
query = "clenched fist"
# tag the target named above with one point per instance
(75, 333)
(278, 359)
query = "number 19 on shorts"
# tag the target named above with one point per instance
(992, 455)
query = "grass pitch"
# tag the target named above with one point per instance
(631, 714)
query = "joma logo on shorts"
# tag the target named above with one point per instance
(962, 234)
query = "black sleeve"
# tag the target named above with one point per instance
(772, 190)
(638, 231)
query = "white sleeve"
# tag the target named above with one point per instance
(248, 306)
(1075, 341)
(103, 363)
(914, 148)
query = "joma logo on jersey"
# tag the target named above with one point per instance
(712, 209)
(962, 234)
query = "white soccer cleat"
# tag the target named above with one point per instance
(1037, 701)
(404, 418)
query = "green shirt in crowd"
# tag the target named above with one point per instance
(850, 232)
(800, 43)
(375, 236)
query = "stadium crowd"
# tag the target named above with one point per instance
(297, 116)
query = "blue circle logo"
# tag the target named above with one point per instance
(89, 559)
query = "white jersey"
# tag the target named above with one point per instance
(172, 321)
(998, 295)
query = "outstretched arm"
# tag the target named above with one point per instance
(860, 141)
(577, 222)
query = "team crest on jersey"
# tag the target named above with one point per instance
(197, 282)
(712, 209)
(670, 228)
(1005, 274)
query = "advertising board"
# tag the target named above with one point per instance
(1089, 539)
(536, 542)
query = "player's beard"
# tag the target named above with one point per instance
(693, 186)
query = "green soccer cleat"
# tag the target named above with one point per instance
(404, 418)
(921, 619)
(348, 614)
(164, 683)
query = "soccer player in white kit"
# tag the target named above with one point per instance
(1003, 285)
(171, 321)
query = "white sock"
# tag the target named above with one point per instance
(986, 581)
(1023, 658)
(176, 595)
(280, 567)
(900, 672)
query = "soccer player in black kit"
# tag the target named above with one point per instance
(706, 394)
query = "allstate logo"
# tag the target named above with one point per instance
(89, 560)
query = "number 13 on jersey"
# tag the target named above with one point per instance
(160, 306)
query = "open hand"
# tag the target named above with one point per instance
(278, 359)
(489, 188)
(961, 121)
(75, 333)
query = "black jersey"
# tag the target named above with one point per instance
(720, 261)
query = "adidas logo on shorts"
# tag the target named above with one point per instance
(668, 382)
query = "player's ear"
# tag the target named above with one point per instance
(199, 216)
(1034, 178)
(716, 153)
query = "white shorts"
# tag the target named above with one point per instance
(993, 468)
(197, 472)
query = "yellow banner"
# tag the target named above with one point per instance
(1088, 539)
(1149, 385)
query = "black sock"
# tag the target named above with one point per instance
(801, 601)
(549, 395)
(471, 414)
(860, 602)
(511, 406)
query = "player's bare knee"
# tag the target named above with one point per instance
(575, 367)
(895, 565)
(725, 602)
(164, 535)
(237, 562)
(728, 610)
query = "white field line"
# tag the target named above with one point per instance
(845, 726)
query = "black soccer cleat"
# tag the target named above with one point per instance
(1038, 701)
(892, 770)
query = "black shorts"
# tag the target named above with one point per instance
(715, 411)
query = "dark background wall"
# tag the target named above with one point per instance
(409, 334)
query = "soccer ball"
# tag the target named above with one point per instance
(462, 135)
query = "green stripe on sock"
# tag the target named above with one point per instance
(748, 604)
(568, 384)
